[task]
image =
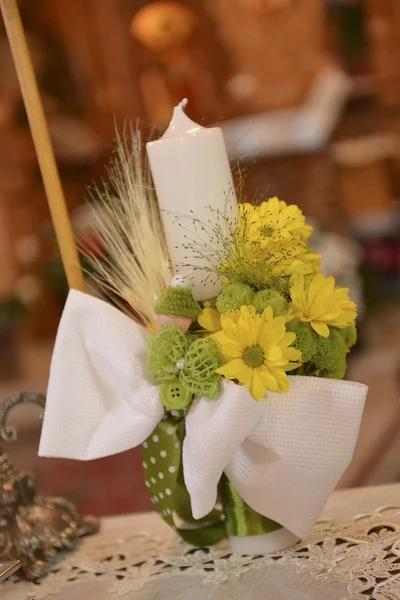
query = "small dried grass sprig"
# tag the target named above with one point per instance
(225, 245)
(219, 246)
(134, 266)
(208, 244)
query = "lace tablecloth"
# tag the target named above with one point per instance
(353, 554)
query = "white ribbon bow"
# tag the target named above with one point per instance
(284, 454)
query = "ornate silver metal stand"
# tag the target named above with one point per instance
(33, 530)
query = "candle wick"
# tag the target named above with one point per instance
(183, 103)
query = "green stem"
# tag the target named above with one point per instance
(240, 519)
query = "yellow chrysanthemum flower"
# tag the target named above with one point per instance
(278, 258)
(213, 321)
(210, 320)
(256, 350)
(273, 220)
(270, 242)
(317, 301)
(287, 257)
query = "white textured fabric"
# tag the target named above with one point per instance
(284, 455)
(214, 433)
(291, 459)
(99, 399)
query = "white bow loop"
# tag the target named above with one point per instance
(284, 455)
(215, 430)
(100, 400)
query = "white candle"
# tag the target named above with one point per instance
(191, 172)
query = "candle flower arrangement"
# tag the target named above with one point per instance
(226, 359)
(263, 325)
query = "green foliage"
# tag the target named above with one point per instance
(330, 358)
(179, 302)
(234, 296)
(272, 298)
(306, 340)
(349, 335)
(323, 357)
(281, 285)
(255, 274)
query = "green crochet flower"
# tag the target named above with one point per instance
(171, 357)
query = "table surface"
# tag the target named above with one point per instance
(285, 582)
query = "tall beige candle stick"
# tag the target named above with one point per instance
(43, 146)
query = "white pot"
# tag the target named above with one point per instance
(275, 541)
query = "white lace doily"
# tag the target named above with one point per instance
(360, 561)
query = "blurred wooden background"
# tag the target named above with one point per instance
(101, 63)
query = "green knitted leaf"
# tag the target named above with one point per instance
(179, 302)
(166, 348)
(201, 361)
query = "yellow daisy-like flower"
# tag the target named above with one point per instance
(210, 320)
(288, 257)
(256, 350)
(318, 302)
(278, 258)
(213, 321)
(307, 263)
(273, 220)
(270, 242)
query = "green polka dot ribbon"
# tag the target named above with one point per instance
(162, 464)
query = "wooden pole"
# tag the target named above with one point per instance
(43, 146)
